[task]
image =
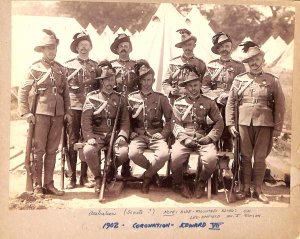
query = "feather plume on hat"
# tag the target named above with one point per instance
(251, 49)
(101, 65)
(246, 45)
(216, 37)
(49, 32)
(190, 68)
(139, 64)
(105, 63)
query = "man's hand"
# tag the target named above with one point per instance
(91, 141)
(133, 135)
(29, 118)
(222, 99)
(67, 117)
(190, 143)
(205, 140)
(233, 131)
(157, 136)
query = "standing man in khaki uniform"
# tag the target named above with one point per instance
(81, 73)
(125, 76)
(149, 130)
(98, 117)
(124, 66)
(174, 75)
(46, 77)
(192, 134)
(260, 117)
(219, 77)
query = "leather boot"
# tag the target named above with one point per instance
(38, 191)
(156, 180)
(98, 182)
(146, 185)
(126, 170)
(183, 189)
(71, 184)
(50, 189)
(244, 193)
(83, 181)
(111, 173)
(261, 197)
(37, 178)
(200, 189)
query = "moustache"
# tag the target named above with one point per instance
(254, 65)
(123, 51)
(225, 52)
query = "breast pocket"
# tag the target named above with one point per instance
(154, 111)
(264, 89)
(59, 78)
(201, 113)
(112, 109)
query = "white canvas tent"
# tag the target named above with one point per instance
(106, 39)
(26, 32)
(157, 42)
(95, 38)
(268, 44)
(275, 51)
(286, 61)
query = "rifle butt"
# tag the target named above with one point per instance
(29, 183)
(101, 194)
(62, 176)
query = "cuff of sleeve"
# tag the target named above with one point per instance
(181, 137)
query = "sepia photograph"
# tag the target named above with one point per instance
(176, 113)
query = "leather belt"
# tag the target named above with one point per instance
(254, 100)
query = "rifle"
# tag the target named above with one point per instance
(29, 158)
(64, 155)
(108, 157)
(237, 153)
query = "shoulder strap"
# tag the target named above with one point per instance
(74, 73)
(242, 89)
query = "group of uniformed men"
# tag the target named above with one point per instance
(198, 99)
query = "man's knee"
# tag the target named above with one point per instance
(122, 154)
(176, 161)
(90, 152)
(133, 151)
(163, 154)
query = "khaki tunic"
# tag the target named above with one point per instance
(50, 82)
(262, 103)
(129, 83)
(174, 65)
(220, 75)
(82, 82)
(190, 117)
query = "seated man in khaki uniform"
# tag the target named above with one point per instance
(98, 117)
(190, 130)
(149, 130)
